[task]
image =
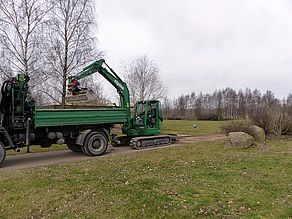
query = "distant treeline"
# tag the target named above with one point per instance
(226, 104)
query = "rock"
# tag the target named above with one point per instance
(239, 140)
(258, 133)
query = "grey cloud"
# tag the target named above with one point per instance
(204, 45)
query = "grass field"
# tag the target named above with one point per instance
(187, 127)
(187, 181)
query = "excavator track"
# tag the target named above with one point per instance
(151, 141)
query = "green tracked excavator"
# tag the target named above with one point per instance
(86, 130)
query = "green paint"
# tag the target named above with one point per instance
(65, 117)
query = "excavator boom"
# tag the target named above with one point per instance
(109, 74)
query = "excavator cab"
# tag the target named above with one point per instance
(147, 117)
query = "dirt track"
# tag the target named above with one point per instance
(24, 161)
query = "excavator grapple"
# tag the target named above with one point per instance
(87, 96)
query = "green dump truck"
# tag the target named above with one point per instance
(83, 130)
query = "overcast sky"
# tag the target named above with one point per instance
(203, 45)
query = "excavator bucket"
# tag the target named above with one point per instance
(84, 97)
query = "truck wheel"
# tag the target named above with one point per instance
(74, 147)
(95, 144)
(2, 152)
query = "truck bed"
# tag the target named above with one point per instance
(71, 117)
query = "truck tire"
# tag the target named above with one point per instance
(74, 147)
(96, 144)
(2, 153)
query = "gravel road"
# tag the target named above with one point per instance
(24, 161)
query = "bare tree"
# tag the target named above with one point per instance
(71, 43)
(143, 79)
(280, 120)
(166, 108)
(5, 68)
(93, 84)
(20, 23)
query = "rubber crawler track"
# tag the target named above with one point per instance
(150, 142)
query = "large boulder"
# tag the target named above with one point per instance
(239, 140)
(258, 133)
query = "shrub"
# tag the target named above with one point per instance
(280, 123)
(208, 117)
(263, 118)
(237, 126)
(273, 120)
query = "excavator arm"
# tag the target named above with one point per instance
(109, 74)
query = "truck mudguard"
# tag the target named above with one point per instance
(6, 136)
(81, 137)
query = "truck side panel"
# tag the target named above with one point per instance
(69, 117)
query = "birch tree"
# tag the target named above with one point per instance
(143, 79)
(71, 42)
(20, 24)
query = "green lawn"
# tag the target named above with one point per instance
(187, 127)
(189, 181)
